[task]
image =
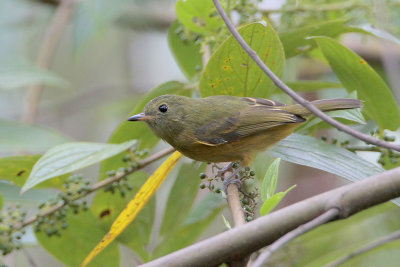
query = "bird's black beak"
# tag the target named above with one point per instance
(140, 117)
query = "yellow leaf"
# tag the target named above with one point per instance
(135, 205)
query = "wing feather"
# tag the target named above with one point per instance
(256, 117)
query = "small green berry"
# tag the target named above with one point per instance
(203, 175)
(126, 158)
(202, 186)
(252, 173)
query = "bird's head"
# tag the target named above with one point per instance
(165, 114)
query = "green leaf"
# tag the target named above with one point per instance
(21, 77)
(75, 242)
(369, 29)
(186, 52)
(271, 202)
(181, 196)
(71, 157)
(295, 41)
(268, 185)
(106, 207)
(17, 169)
(309, 86)
(1, 201)
(16, 136)
(198, 15)
(230, 70)
(128, 130)
(309, 151)
(198, 220)
(356, 75)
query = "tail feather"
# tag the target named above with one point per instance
(326, 105)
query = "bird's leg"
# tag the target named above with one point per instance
(231, 178)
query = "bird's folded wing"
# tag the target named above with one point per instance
(251, 121)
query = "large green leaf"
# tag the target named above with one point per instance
(198, 15)
(295, 41)
(21, 77)
(186, 52)
(78, 240)
(198, 220)
(71, 157)
(184, 192)
(356, 75)
(309, 151)
(230, 70)
(15, 136)
(128, 130)
(106, 208)
(17, 169)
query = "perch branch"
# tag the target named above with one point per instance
(243, 240)
(279, 83)
(237, 212)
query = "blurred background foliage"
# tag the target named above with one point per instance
(114, 56)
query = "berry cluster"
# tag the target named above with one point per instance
(9, 237)
(248, 192)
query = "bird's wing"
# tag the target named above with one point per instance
(256, 117)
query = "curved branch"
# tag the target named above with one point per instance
(243, 240)
(279, 83)
(368, 247)
(302, 229)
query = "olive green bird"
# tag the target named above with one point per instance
(227, 128)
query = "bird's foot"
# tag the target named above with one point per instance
(232, 179)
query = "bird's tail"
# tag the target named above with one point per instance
(326, 105)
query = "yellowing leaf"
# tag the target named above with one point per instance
(135, 205)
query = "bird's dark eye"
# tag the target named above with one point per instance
(163, 108)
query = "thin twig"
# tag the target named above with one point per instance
(51, 39)
(101, 184)
(302, 229)
(279, 83)
(382, 241)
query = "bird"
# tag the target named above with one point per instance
(226, 128)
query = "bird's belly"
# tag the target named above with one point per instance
(242, 150)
